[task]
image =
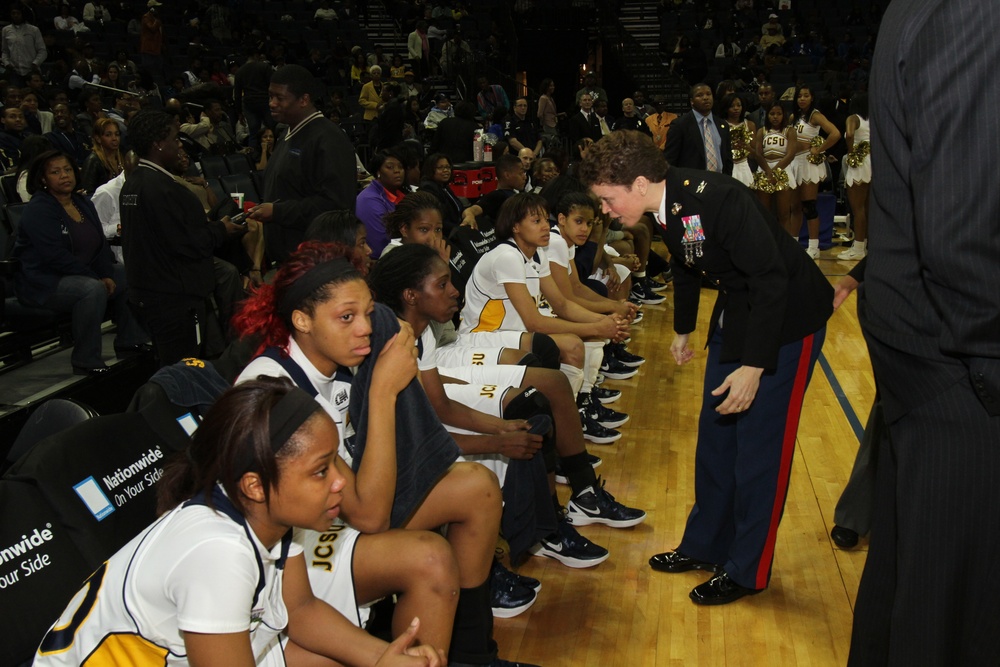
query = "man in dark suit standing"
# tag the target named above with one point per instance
(930, 310)
(584, 123)
(698, 140)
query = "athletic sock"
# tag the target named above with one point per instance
(575, 376)
(472, 638)
(814, 243)
(593, 355)
(578, 471)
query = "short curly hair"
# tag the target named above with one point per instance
(621, 157)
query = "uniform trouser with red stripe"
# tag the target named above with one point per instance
(743, 464)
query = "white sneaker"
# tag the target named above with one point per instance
(855, 252)
(813, 253)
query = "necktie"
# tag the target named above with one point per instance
(711, 157)
(604, 127)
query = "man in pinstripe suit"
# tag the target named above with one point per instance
(930, 309)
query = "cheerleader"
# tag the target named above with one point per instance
(774, 148)
(809, 166)
(741, 132)
(858, 175)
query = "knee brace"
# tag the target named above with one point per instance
(809, 209)
(527, 404)
(530, 360)
(546, 350)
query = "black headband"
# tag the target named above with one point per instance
(312, 280)
(288, 414)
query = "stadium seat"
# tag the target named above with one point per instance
(213, 166)
(240, 183)
(49, 418)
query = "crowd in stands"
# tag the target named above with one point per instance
(341, 163)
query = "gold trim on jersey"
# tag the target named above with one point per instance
(491, 316)
(127, 649)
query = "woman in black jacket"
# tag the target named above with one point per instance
(455, 210)
(66, 264)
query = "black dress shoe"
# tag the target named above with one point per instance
(122, 351)
(845, 538)
(100, 370)
(720, 589)
(675, 561)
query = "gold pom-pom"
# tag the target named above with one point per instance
(816, 158)
(858, 154)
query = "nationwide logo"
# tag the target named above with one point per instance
(93, 497)
(120, 475)
(28, 542)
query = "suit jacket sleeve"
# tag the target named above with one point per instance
(675, 140)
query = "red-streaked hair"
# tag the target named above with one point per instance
(259, 315)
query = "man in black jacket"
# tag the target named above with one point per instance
(584, 123)
(168, 245)
(698, 140)
(313, 168)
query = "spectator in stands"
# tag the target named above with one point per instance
(520, 130)
(105, 160)
(490, 96)
(92, 111)
(67, 22)
(168, 246)
(379, 57)
(413, 117)
(765, 98)
(265, 148)
(409, 87)
(151, 38)
(527, 158)
(642, 109)
(435, 177)
(418, 49)
(699, 140)
(66, 137)
(358, 68)
(23, 49)
(548, 116)
(497, 122)
(313, 167)
(129, 71)
(544, 171)
(604, 120)
(105, 200)
(37, 121)
(630, 119)
(213, 132)
(456, 56)
(250, 93)
(32, 146)
(771, 38)
(380, 198)
(454, 136)
(12, 137)
(325, 12)
(659, 123)
(370, 98)
(772, 25)
(511, 179)
(442, 109)
(584, 123)
(591, 88)
(96, 12)
(67, 266)
(397, 70)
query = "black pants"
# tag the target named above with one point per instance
(180, 326)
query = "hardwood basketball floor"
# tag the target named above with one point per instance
(621, 613)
